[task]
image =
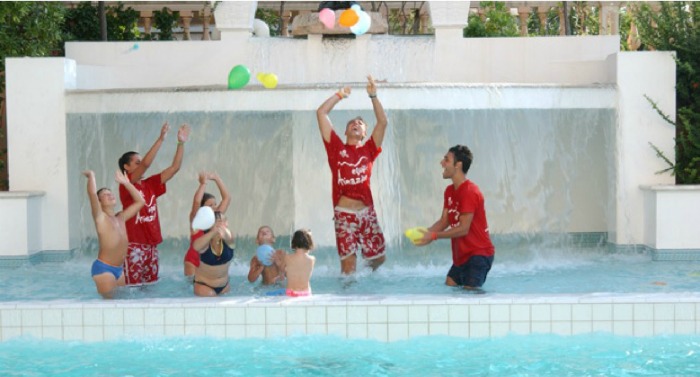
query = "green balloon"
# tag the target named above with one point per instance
(238, 77)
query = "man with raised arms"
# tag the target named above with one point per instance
(356, 226)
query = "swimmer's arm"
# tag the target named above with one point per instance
(256, 269)
(324, 122)
(379, 113)
(92, 194)
(441, 224)
(227, 236)
(138, 203)
(150, 155)
(171, 170)
(201, 243)
(461, 230)
(198, 195)
(225, 196)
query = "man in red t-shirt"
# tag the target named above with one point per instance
(143, 230)
(463, 221)
(356, 225)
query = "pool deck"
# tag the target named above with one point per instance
(383, 318)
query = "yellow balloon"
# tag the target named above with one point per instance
(415, 234)
(269, 80)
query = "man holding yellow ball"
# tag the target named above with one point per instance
(463, 221)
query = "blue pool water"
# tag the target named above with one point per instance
(532, 355)
(516, 270)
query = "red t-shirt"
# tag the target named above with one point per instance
(467, 198)
(144, 228)
(351, 166)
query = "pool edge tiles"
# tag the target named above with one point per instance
(383, 318)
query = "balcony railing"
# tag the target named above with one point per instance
(198, 20)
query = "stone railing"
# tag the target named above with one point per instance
(198, 20)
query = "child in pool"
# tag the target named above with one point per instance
(299, 265)
(267, 261)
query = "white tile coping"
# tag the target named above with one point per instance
(371, 317)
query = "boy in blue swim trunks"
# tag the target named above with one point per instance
(111, 232)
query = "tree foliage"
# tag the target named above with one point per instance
(271, 18)
(82, 23)
(29, 29)
(165, 20)
(676, 27)
(497, 22)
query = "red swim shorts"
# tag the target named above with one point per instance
(192, 255)
(141, 264)
(358, 231)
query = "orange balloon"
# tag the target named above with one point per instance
(348, 18)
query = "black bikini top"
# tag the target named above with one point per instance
(212, 259)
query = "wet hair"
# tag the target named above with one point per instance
(355, 118)
(268, 227)
(100, 190)
(464, 155)
(125, 159)
(206, 197)
(302, 240)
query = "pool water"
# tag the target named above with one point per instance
(537, 270)
(532, 355)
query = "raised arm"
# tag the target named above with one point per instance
(138, 203)
(379, 114)
(198, 195)
(95, 206)
(225, 196)
(324, 122)
(147, 160)
(182, 135)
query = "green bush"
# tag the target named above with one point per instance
(676, 27)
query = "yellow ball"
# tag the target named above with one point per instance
(415, 234)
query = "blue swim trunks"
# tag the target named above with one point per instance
(100, 267)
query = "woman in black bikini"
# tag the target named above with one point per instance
(215, 249)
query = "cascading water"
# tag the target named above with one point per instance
(543, 171)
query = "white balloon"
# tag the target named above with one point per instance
(260, 28)
(204, 219)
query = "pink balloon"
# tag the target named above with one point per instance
(327, 17)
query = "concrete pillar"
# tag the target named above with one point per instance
(636, 163)
(542, 15)
(449, 19)
(40, 84)
(609, 18)
(186, 17)
(147, 17)
(206, 15)
(523, 16)
(285, 24)
(234, 19)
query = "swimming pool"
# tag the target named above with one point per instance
(535, 268)
(541, 355)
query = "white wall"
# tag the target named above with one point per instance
(36, 139)
(638, 74)
(546, 60)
